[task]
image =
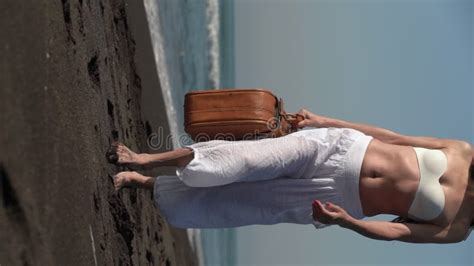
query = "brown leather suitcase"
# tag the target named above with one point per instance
(236, 114)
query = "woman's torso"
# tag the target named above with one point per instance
(390, 177)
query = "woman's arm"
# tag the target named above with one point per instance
(383, 230)
(472, 155)
(379, 133)
(314, 120)
(406, 232)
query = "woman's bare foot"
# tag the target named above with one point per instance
(132, 179)
(121, 154)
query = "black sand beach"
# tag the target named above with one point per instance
(76, 75)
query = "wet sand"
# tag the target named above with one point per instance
(76, 75)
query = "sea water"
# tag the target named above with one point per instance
(193, 48)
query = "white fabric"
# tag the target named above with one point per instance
(267, 181)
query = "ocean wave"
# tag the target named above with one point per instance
(170, 71)
(151, 8)
(213, 29)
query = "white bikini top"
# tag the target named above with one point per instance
(429, 198)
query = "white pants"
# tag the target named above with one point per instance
(267, 181)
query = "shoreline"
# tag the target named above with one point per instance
(73, 79)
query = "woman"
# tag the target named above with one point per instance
(356, 170)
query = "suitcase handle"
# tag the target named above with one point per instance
(292, 118)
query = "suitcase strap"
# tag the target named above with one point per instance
(284, 123)
(291, 118)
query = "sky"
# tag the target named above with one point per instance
(402, 65)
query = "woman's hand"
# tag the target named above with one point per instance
(329, 213)
(310, 119)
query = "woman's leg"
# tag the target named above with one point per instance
(134, 180)
(121, 154)
(240, 203)
(219, 162)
